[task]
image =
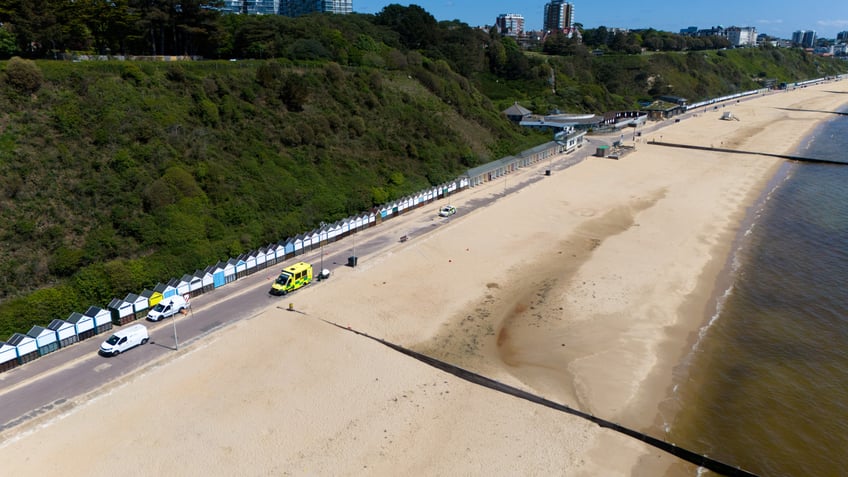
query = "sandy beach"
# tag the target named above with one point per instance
(587, 288)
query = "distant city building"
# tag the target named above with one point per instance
(296, 8)
(252, 7)
(510, 24)
(714, 31)
(559, 16)
(742, 36)
(804, 38)
(689, 31)
(842, 37)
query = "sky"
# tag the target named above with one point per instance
(777, 18)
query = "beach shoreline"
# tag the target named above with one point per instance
(587, 288)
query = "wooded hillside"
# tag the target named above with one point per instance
(116, 175)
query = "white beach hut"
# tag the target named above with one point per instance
(140, 304)
(240, 266)
(261, 258)
(229, 270)
(102, 319)
(8, 356)
(25, 346)
(84, 325)
(250, 262)
(206, 280)
(45, 339)
(66, 333)
(184, 287)
(122, 312)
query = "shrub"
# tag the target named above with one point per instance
(23, 75)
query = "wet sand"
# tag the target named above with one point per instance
(586, 288)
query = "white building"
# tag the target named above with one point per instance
(742, 36)
(510, 24)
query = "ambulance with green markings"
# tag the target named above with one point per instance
(292, 278)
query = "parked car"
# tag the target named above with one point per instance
(124, 339)
(447, 211)
(167, 307)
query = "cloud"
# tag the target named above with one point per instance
(833, 23)
(770, 22)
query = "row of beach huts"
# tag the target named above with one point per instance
(22, 348)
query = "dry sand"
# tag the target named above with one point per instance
(585, 287)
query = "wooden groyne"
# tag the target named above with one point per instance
(839, 113)
(753, 153)
(692, 457)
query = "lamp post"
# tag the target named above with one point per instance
(322, 246)
(174, 322)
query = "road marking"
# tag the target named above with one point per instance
(102, 367)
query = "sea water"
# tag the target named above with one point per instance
(766, 385)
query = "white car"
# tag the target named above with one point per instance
(447, 211)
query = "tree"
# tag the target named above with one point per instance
(418, 29)
(7, 43)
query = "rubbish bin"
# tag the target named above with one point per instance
(351, 261)
(547, 172)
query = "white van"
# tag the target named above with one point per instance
(167, 307)
(124, 339)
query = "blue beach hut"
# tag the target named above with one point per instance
(218, 277)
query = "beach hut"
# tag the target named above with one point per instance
(153, 297)
(140, 304)
(45, 339)
(261, 258)
(184, 287)
(83, 325)
(122, 312)
(172, 288)
(289, 246)
(102, 319)
(279, 249)
(250, 262)
(294, 246)
(334, 232)
(307, 242)
(8, 356)
(229, 270)
(166, 289)
(66, 333)
(219, 279)
(25, 347)
(239, 266)
(206, 282)
(323, 235)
